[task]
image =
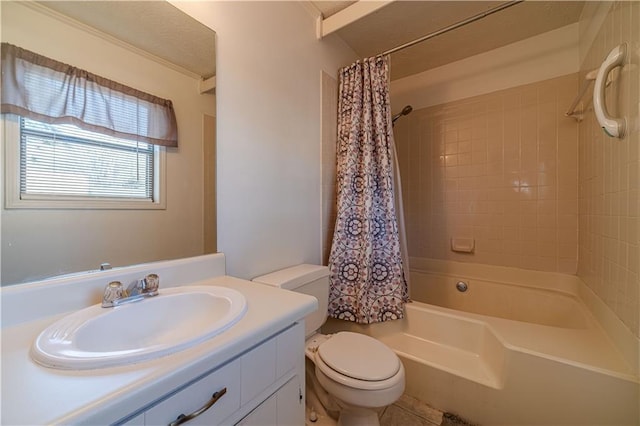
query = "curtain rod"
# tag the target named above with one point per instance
(453, 26)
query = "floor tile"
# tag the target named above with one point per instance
(396, 416)
(420, 409)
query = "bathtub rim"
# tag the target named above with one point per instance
(586, 321)
(488, 322)
(551, 281)
(616, 331)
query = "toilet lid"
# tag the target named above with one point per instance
(359, 356)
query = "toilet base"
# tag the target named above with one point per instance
(329, 409)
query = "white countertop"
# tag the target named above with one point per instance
(35, 395)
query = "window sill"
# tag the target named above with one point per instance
(52, 203)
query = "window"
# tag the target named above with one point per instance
(82, 140)
(63, 166)
(65, 160)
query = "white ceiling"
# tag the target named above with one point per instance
(404, 21)
(152, 26)
(156, 27)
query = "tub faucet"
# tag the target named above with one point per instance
(115, 294)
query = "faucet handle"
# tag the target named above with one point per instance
(112, 292)
(150, 284)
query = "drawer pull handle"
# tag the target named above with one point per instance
(183, 418)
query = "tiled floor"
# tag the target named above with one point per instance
(407, 411)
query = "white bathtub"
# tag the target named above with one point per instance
(540, 306)
(518, 347)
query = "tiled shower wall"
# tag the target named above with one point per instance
(609, 207)
(501, 168)
(504, 169)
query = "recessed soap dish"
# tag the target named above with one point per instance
(463, 245)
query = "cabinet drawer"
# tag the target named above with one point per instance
(270, 361)
(197, 395)
(258, 370)
(289, 352)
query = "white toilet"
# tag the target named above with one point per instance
(352, 373)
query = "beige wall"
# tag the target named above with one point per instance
(542, 57)
(209, 160)
(609, 207)
(488, 155)
(464, 177)
(268, 145)
(329, 138)
(37, 243)
(500, 168)
(492, 186)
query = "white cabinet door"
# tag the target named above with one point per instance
(264, 415)
(283, 408)
(290, 402)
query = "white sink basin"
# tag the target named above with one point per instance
(174, 320)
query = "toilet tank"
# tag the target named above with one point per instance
(308, 279)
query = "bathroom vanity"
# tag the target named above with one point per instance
(254, 370)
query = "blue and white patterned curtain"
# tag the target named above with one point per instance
(367, 277)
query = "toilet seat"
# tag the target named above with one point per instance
(358, 361)
(359, 356)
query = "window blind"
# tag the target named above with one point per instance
(63, 160)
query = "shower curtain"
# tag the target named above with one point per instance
(367, 277)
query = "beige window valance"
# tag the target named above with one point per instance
(44, 89)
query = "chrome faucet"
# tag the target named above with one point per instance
(115, 294)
